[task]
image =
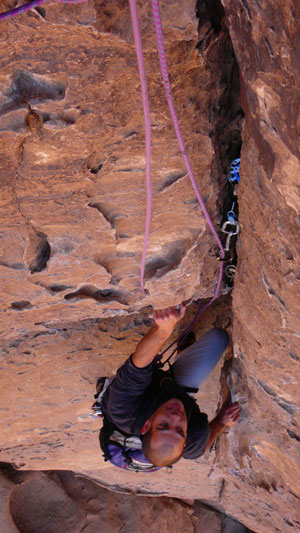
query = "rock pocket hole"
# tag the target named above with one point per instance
(160, 265)
(26, 86)
(100, 295)
(20, 305)
(95, 169)
(38, 252)
(41, 11)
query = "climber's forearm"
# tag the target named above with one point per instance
(149, 346)
(216, 428)
(227, 416)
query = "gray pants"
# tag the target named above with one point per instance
(193, 365)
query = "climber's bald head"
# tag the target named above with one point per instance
(165, 434)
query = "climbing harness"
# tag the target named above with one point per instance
(121, 449)
(31, 5)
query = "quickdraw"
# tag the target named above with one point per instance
(230, 226)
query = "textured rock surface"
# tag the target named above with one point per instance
(73, 184)
(72, 210)
(266, 328)
(63, 502)
(6, 488)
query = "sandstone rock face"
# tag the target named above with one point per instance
(63, 502)
(266, 294)
(7, 523)
(73, 171)
(73, 211)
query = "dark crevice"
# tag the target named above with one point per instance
(293, 435)
(26, 87)
(294, 357)
(109, 214)
(132, 133)
(171, 179)
(59, 288)
(269, 46)
(283, 404)
(129, 170)
(288, 522)
(41, 11)
(226, 114)
(20, 305)
(210, 11)
(100, 295)
(95, 169)
(272, 291)
(42, 253)
(158, 266)
(247, 9)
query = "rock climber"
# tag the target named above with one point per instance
(158, 405)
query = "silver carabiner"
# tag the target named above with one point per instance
(230, 271)
(229, 223)
(227, 245)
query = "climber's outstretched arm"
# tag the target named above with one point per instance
(228, 415)
(150, 345)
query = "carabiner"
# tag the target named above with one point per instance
(229, 223)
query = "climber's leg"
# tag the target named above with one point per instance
(194, 364)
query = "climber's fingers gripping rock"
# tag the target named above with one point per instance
(166, 319)
(229, 413)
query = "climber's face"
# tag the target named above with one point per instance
(168, 430)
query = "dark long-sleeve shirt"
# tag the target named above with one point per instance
(136, 393)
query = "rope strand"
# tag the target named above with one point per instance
(164, 71)
(165, 75)
(146, 108)
(31, 5)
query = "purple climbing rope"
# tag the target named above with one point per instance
(31, 5)
(146, 108)
(164, 71)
